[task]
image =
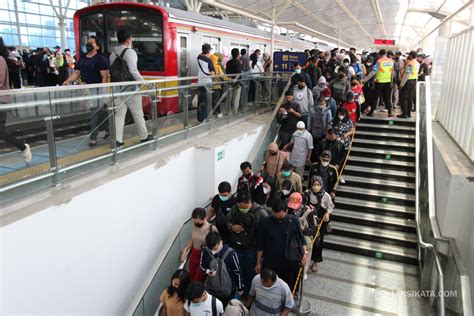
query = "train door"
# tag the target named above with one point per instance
(215, 43)
(183, 57)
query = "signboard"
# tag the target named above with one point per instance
(384, 42)
(220, 155)
(283, 61)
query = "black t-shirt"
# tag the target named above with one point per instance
(233, 66)
(221, 209)
(271, 239)
(90, 68)
(289, 124)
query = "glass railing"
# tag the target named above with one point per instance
(147, 300)
(74, 129)
(441, 268)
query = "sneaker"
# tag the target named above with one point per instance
(341, 180)
(92, 143)
(118, 144)
(390, 115)
(220, 115)
(402, 116)
(27, 156)
(305, 276)
(370, 114)
(149, 138)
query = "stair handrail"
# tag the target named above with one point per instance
(465, 287)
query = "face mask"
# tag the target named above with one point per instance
(89, 47)
(346, 64)
(219, 248)
(298, 71)
(285, 192)
(223, 198)
(266, 190)
(341, 117)
(316, 188)
(341, 76)
(325, 163)
(322, 84)
(197, 304)
(244, 210)
(369, 64)
(326, 98)
(286, 173)
(199, 225)
(300, 87)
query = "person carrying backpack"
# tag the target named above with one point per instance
(319, 119)
(340, 86)
(244, 218)
(123, 67)
(199, 302)
(221, 265)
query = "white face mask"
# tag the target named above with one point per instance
(346, 64)
(298, 70)
(326, 98)
(266, 190)
(369, 64)
(341, 117)
(285, 192)
(325, 163)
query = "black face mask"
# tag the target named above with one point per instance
(89, 48)
(199, 225)
(300, 87)
(247, 175)
(341, 76)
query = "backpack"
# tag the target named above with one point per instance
(339, 90)
(119, 69)
(249, 222)
(219, 285)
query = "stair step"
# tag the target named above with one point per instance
(366, 125)
(379, 143)
(371, 248)
(374, 220)
(405, 137)
(382, 163)
(378, 194)
(365, 206)
(380, 173)
(396, 121)
(357, 149)
(392, 237)
(384, 184)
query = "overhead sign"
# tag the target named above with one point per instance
(283, 61)
(384, 42)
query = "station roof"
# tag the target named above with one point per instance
(355, 22)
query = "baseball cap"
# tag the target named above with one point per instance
(295, 200)
(325, 154)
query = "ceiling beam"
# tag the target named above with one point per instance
(313, 16)
(376, 8)
(349, 14)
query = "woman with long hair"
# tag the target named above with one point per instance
(172, 297)
(5, 99)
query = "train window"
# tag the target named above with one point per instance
(215, 43)
(146, 29)
(183, 55)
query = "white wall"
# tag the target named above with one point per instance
(90, 255)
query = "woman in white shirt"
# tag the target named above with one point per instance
(255, 68)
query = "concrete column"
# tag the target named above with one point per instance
(17, 18)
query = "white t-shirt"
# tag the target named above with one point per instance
(204, 308)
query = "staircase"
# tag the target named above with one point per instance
(375, 207)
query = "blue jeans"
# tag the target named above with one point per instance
(247, 260)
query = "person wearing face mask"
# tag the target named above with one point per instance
(256, 69)
(319, 119)
(199, 302)
(285, 192)
(326, 171)
(133, 103)
(321, 203)
(272, 241)
(288, 174)
(350, 72)
(340, 86)
(216, 248)
(352, 107)
(343, 126)
(335, 146)
(272, 163)
(297, 205)
(368, 86)
(397, 67)
(409, 76)
(288, 116)
(318, 88)
(330, 102)
(304, 98)
(383, 72)
(92, 68)
(313, 71)
(200, 229)
(298, 73)
(270, 295)
(302, 147)
(243, 221)
(221, 205)
(251, 183)
(173, 297)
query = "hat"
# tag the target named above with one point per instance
(325, 154)
(295, 200)
(350, 96)
(300, 125)
(327, 92)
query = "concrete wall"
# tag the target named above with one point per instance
(90, 254)
(454, 189)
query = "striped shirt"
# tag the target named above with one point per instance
(269, 302)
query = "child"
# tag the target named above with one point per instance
(352, 107)
(358, 93)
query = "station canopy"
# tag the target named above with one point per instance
(351, 22)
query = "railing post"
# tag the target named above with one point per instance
(112, 131)
(185, 103)
(154, 111)
(209, 102)
(53, 158)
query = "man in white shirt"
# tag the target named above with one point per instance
(205, 71)
(200, 303)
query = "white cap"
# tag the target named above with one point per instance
(300, 124)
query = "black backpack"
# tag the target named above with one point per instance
(119, 69)
(219, 285)
(249, 222)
